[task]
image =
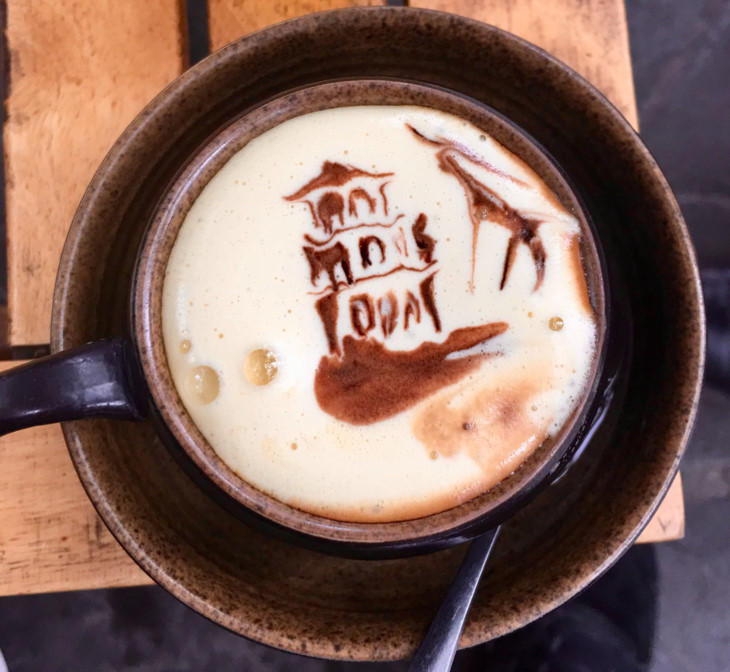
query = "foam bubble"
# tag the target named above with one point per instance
(260, 366)
(202, 384)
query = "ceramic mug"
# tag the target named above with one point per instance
(131, 376)
(284, 595)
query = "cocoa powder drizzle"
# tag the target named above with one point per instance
(314, 241)
(397, 269)
(412, 309)
(330, 207)
(368, 382)
(362, 306)
(364, 246)
(485, 204)
(331, 204)
(327, 260)
(424, 242)
(328, 311)
(388, 309)
(362, 381)
(385, 198)
(333, 174)
(429, 303)
(361, 194)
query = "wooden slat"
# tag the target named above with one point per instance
(79, 72)
(590, 36)
(50, 536)
(668, 521)
(230, 19)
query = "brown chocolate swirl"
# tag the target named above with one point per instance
(369, 383)
(361, 380)
(486, 205)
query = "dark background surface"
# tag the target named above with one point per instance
(681, 56)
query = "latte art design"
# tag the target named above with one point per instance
(486, 205)
(355, 239)
(377, 313)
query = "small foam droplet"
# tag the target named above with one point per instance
(185, 346)
(202, 384)
(556, 323)
(260, 367)
(434, 455)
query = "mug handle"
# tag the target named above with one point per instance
(99, 380)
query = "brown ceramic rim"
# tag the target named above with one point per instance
(160, 241)
(575, 553)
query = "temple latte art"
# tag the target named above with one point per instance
(376, 313)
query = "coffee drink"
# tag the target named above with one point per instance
(375, 313)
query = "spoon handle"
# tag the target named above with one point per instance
(438, 648)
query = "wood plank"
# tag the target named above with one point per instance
(230, 19)
(51, 538)
(79, 71)
(590, 36)
(668, 522)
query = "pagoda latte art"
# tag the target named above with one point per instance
(376, 313)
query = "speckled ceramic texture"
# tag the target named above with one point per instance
(358, 539)
(297, 599)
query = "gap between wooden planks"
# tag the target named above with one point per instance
(79, 71)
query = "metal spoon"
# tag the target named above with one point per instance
(438, 648)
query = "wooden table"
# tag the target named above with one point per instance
(79, 71)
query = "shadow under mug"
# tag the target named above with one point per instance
(129, 378)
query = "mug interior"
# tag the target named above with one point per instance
(395, 538)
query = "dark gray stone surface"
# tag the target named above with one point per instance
(693, 628)
(681, 54)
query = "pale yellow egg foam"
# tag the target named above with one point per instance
(389, 309)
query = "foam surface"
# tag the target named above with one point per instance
(253, 265)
